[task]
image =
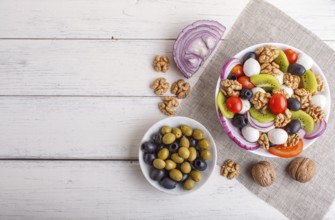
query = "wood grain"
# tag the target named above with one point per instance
(83, 67)
(115, 190)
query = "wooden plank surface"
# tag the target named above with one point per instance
(141, 18)
(83, 67)
(115, 190)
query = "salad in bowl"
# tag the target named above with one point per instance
(273, 100)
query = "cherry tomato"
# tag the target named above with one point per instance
(288, 151)
(245, 81)
(291, 55)
(277, 103)
(237, 70)
(234, 104)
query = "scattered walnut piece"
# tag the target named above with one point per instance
(316, 112)
(160, 86)
(270, 68)
(230, 169)
(263, 141)
(260, 100)
(281, 91)
(230, 87)
(303, 96)
(263, 173)
(267, 54)
(283, 119)
(180, 88)
(161, 63)
(292, 140)
(302, 169)
(321, 86)
(291, 81)
(168, 105)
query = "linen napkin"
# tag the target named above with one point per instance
(261, 22)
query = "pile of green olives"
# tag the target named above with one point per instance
(177, 155)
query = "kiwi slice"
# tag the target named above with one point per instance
(309, 81)
(261, 117)
(282, 61)
(305, 119)
(265, 81)
(221, 102)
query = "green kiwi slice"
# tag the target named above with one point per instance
(305, 119)
(309, 81)
(265, 81)
(261, 117)
(221, 102)
(282, 61)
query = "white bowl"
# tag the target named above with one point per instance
(316, 69)
(176, 122)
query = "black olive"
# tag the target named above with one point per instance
(293, 104)
(239, 121)
(200, 165)
(232, 77)
(193, 142)
(149, 147)
(149, 158)
(156, 138)
(185, 177)
(156, 174)
(173, 148)
(168, 183)
(296, 69)
(249, 55)
(293, 127)
(246, 94)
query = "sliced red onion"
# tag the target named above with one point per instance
(195, 44)
(228, 66)
(318, 130)
(236, 135)
(262, 127)
(302, 133)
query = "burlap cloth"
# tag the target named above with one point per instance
(258, 23)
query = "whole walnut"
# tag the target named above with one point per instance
(302, 169)
(263, 173)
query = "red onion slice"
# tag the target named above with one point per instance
(228, 66)
(195, 44)
(266, 127)
(319, 128)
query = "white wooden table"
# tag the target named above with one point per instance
(75, 103)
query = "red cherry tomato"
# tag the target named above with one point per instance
(291, 55)
(234, 104)
(278, 103)
(287, 151)
(237, 71)
(245, 81)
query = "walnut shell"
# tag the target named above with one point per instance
(302, 169)
(263, 173)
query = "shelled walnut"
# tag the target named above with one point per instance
(291, 81)
(160, 86)
(161, 63)
(321, 86)
(316, 112)
(168, 105)
(302, 169)
(270, 68)
(303, 96)
(260, 100)
(180, 88)
(267, 54)
(283, 119)
(230, 169)
(281, 91)
(263, 173)
(230, 87)
(292, 140)
(263, 141)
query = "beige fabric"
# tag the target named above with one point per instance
(261, 22)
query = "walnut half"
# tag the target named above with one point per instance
(168, 105)
(180, 88)
(160, 86)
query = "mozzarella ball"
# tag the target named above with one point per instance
(277, 136)
(287, 89)
(305, 60)
(245, 106)
(280, 77)
(250, 134)
(251, 67)
(257, 89)
(319, 100)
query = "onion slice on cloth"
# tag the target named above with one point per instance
(195, 44)
(235, 134)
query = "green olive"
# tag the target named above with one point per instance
(186, 167)
(159, 164)
(184, 142)
(204, 144)
(189, 184)
(177, 132)
(205, 154)
(176, 158)
(170, 165)
(193, 154)
(198, 134)
(166, 129)
(186, 130)
(163, 154)
(195, 175)
(184, 152)
(169, 138)
(176, 175)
